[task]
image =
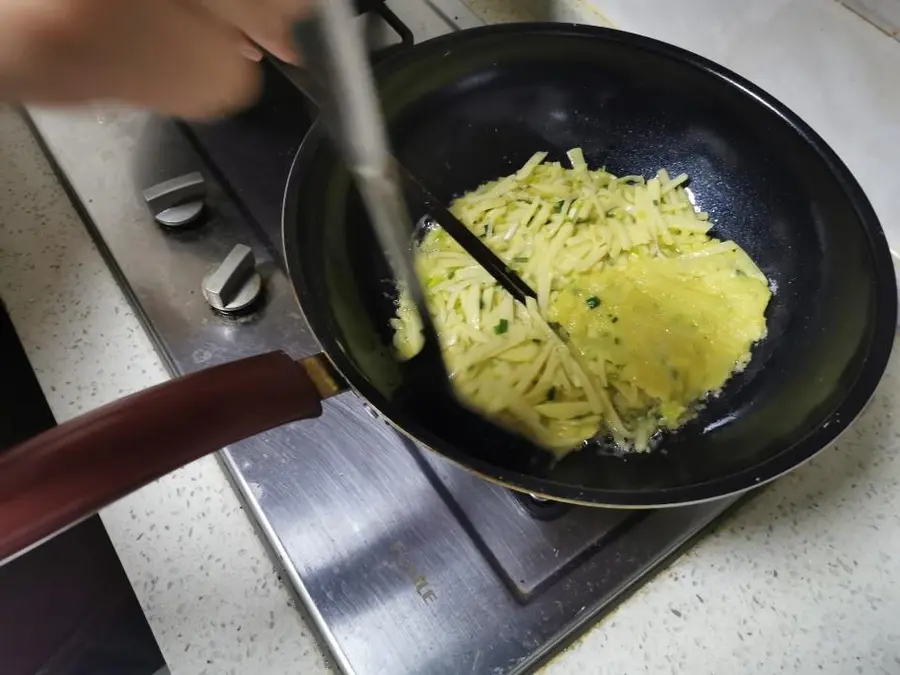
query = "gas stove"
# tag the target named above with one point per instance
(403, 563)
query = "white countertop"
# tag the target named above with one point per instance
(800, 580)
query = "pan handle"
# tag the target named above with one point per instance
(68, 473)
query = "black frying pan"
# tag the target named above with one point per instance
(473, 106)
(470, 107)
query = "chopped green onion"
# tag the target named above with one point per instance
(558, 206)
(501, 327)
(520, 259)
(593, 302)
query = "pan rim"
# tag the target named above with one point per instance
(859, 392)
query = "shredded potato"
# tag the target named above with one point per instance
(658, 313)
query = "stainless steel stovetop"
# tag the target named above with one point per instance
(403, 563)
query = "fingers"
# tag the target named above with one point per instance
(162, 54)
(266, 22)
(196, 70)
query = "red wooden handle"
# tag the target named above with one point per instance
(69, 472)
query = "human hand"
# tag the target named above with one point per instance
(180, 57)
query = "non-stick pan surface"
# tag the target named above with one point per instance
(473, 106)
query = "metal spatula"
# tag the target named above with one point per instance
(334, 50)
(335, 55)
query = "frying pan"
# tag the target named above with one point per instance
(470, 107)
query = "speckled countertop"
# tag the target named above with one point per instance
(800, 580)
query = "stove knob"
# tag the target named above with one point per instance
(235, 285)
(178, 202)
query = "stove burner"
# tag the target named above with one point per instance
(531, 543)
(542, 509)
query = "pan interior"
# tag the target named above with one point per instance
(464, 112)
